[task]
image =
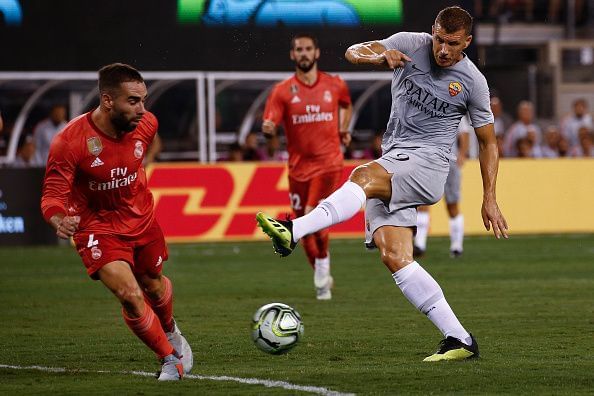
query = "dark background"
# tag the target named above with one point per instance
(86, 34)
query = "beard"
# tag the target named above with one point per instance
(121, 123)
(306, 66)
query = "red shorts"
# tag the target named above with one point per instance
(145, 253)
(311, 192)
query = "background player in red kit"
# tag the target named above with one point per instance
(95, 190)
(315, 110)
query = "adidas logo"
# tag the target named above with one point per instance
(97, 162)
(295, 99)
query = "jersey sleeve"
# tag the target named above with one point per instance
(405, 42)
(152, 126)
(273, 111)
(59, 177)
(479, 106)
(344, 96)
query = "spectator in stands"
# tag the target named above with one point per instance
(25, 155)
(550, 147)
(374, 151)
(45, 131)
(585, 148)
(522, 128)
(250, 150)
(235, 153)
(273, 151)
(501, 122)
(572, 123)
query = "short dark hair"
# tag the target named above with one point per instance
(452, 19)
(111, 76)
(304, 35)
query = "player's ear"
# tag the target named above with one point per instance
(106, 100)
(291, 55)
(317, 53)
(468, 41)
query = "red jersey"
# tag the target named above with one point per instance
(100, 178)
(309, 115)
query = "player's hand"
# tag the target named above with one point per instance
(345, 138)
(461, 160)
(492, 217)
(268, 129)
(394, 58)
(65, 226)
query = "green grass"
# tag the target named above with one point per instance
(528, 300)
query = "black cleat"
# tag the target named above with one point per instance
(452, 348)
(455, 253)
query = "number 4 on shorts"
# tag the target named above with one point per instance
(92, 242)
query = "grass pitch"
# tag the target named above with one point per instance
(528, 300)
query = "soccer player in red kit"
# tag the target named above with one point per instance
(315, 111)
(95, 190)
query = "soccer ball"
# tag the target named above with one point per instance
(276, 328)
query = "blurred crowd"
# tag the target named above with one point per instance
(519, 136)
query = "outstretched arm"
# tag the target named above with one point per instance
(374, 53)
(489, 160)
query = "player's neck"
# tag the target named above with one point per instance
(307, 78)
(102, 122)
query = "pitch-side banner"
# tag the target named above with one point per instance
(195, 203)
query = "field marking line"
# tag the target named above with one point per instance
(249, 381)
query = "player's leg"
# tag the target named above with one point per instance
(149, 257)
(139, 316)
(419, 287)
(299, 194)
(456, 230)
(367, 181)
(420, 242)
(320, 188)
(452, 198)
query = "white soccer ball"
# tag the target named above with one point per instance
(276, 328)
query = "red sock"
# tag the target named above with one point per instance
(164, 306)
(311, 250)
(149, 330)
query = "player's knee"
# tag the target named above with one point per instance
(362, 176)
(130, 295)
(395, 259)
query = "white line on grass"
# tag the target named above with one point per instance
(250, 381)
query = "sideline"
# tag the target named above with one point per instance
(250, 381)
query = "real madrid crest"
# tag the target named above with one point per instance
(94, 145)
(455, 88)
(327, 96)
(294, 89)
(138, 149)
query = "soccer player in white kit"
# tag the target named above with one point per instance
(434, 85)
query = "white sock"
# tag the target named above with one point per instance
(457, 232)
(341, 205)
(422, 230)
(424, 293)
(322, 267)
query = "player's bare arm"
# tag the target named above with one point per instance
(65, 226)
(489, 160)
(268, 128)
(374, 53)
(345, 113)
(153, 150)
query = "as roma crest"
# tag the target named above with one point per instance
(455, 88)
(94, 145)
